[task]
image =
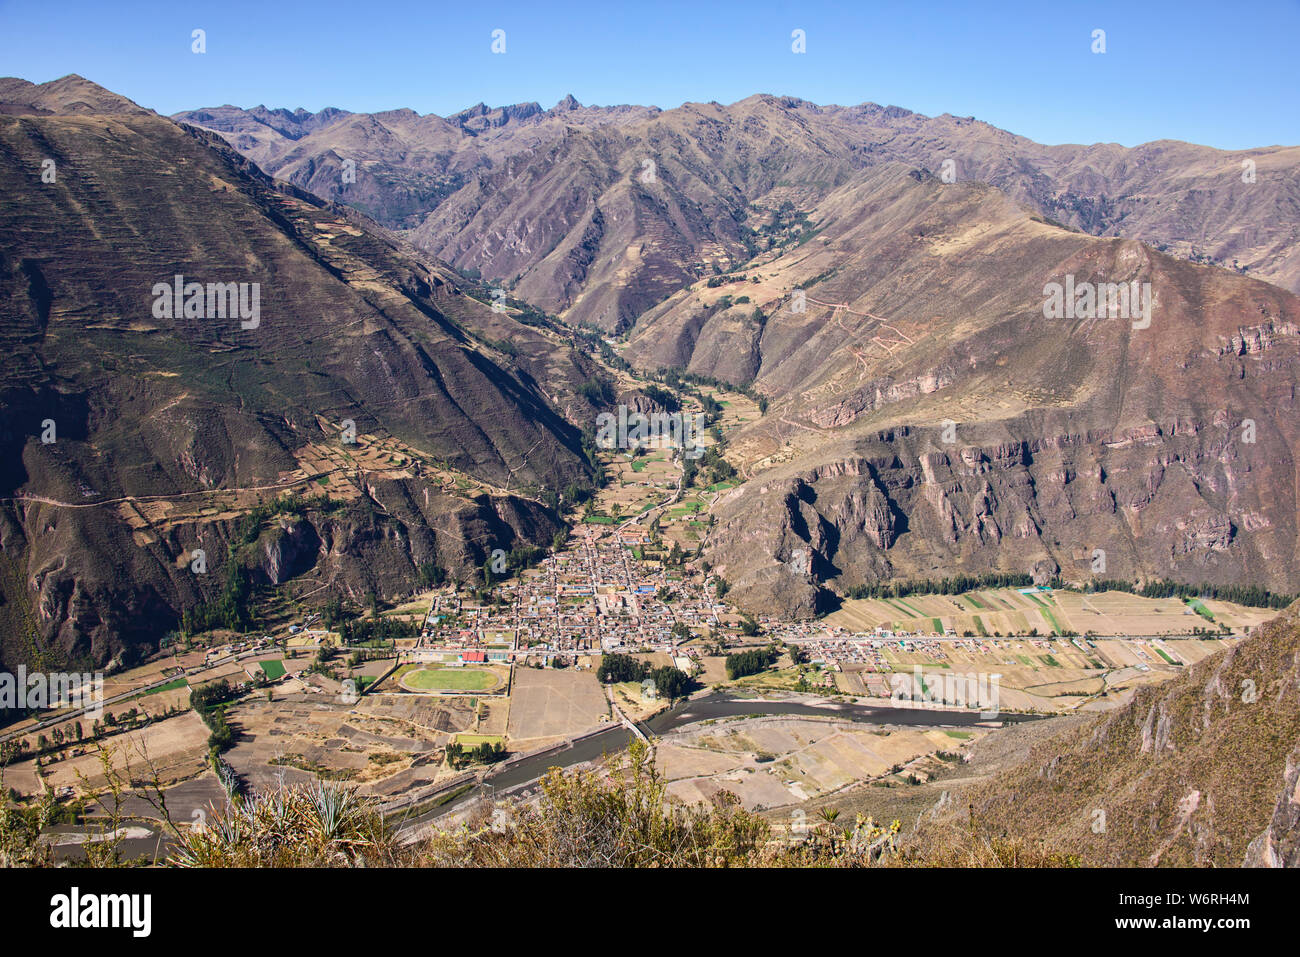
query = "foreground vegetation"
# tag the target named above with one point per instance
(618, 818)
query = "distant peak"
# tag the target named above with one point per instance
(481, 116)
(569, 103)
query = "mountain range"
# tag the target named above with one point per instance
(566, 202)
(921, 248)
(879, 278)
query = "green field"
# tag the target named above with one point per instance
(169, 686)
(898, 605)
(450, 679)
(273, 669)
(474, 740)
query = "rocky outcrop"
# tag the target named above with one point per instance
(1158, 503)
(1278, 845)
(290, 549)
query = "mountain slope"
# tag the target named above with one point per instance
(133, 437)
(1070, 437)
(69, 95)
(925, 418)
(1200, 771)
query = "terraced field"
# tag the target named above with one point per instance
(1006, 611)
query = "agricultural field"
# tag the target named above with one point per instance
(774, 762)
(381, 743)
(474, 740)
(1039, 674)
(175, 748)
(631, 700)
(322, 468)
(1006, 611)
(176, 684)
(548, 705)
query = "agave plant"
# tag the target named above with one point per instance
(323, 823)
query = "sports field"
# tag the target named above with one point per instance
(450, 679)
(273, 669)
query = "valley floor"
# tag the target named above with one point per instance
(518, 669)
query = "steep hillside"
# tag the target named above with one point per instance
(1201, 771)
(136, 433)
(71, 94)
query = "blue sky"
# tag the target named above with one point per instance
(1226, 75)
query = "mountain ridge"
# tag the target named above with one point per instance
(1155, 191)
